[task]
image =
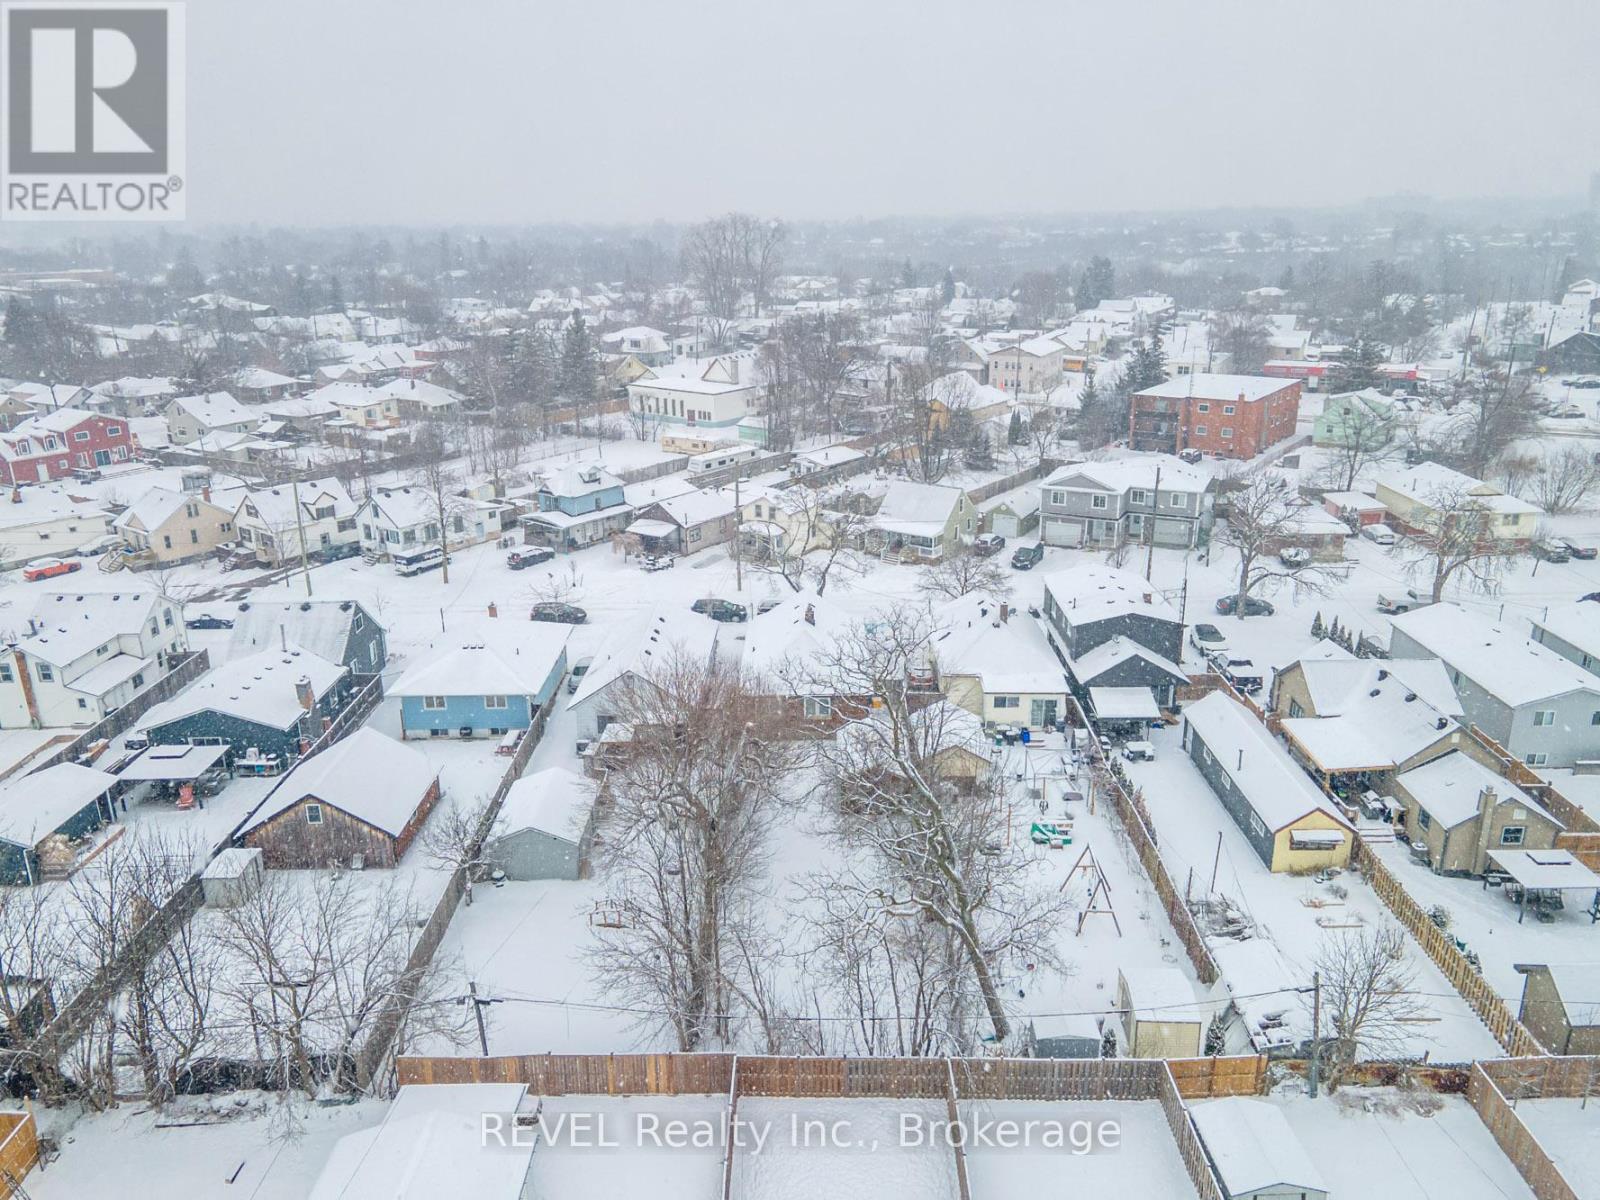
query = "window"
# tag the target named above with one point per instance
(1227, 410)
(1202, 408)
(313, 814)
(1511, 835)
(1544, 716)
(1536, 760)
(1295, 710)
(1175, 500)
(1008, 702)
(166, 540)
(1424, 821)
(1200, 431)
(433, 702)
(80, 435)
(356, 623)
(1594, 718)
(494, 702)
(5, 673)
(1226, 432)
(113, 430)
(46, 673)
(82, 703)
(1100, 501)
(1058, 497)
(23, 447)
(138, 680)
(1137, 496)
(166, 617)
(1257, 826)
(817, 708)
(194, 537)
(366, 533)
(191, 510)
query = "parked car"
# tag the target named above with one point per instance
(1582, 553)
(1396, 605)
(1588, 381)
(1207, 639)
(1240, 672)
(1190, 455)
(1254, 606)
(207, 621)
(1026, 558)
(528, 556)
(579, 670)
(1550, 551)
(100, 545)
(988, 543)
(721, 610)
(1568, 412)
(560, 614)
(1379, 533)
(658, 562)
(767, 605)
(49, 568)
(333, 553)
(1294, 556)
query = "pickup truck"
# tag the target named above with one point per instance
(1394, 606)
(1240, 672)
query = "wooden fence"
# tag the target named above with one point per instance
(1515, 1139)
(19, 1151)
(1187, 1138)
(1554, 1077)
(1473, 988)
(181, 676)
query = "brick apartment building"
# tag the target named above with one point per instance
(1228, 416)
(54, 444)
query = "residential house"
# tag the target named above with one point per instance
(279, 522)
(630, 658)
(360, 406)
(1255, 1151)
(944, 739)
(799, 638)
(54, 444)
(163, 527)
(545, 827)
(1426, 497)
(42, 814)
(1107, 504)
(1013, 515)
(84, 654)
(47, 397)
(1031, 365)
(358, 803)
(1561, 1005)
(1113, 629)
(341, 631)
(1228, 416)
(1578, 352)
(1572, 631)
(686, 524)
(999, 669)
(959, 392)
(650, 347)
(1541, 707)
(1356, 509)
(499, 680)
(419, 400)
(42, 522)
(301, 414)
(189, 418)
(1161, 1018)
(276, 703)
(704, 392)
(1364, 419)
(129, 396)
(1463, 811)
(257, 385)
(399, 520)
(1288, 822)
(922, 522)
(578, 506)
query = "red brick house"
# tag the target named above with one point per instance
(54, 444)
(1228, 416)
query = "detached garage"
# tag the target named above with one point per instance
(1255, 1152)
(545, 826)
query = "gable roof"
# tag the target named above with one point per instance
(259, 688)
(1449, 787)
(156, 507)
(1380, 728)
(368, 775)
(34, 806)
(646, 645)
(1338, 685)
(1008, 656)
(1577, 624)
(922, 509)
(554, 801)
(276, 504)
(577, 479)
(516, 664)
(1253, 1147)
(1093, 592)
(1114, 651)
(214, 408)
(320, 626)
(67, 625)
(1504, 662)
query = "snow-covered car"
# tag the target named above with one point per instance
(987, 544)
(1581, 553)
(524, 557)
(579, 670)
(207, 621)
(557, 613)
(1207, 638)
(657, 562)
(1378, 533)
(1240, 672)
(1555, 552)
(1294, 556)
(1254, 606)
(49, 568)
(1395, 605)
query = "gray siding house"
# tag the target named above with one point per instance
(1103, 504)
(545, 826)
(1572, 631)
(1542, 707)
(1112, 629)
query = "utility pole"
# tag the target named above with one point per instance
(1150, 532)
(300, 525)
(1316, 1028)
(738, 510)
(478, 1003)
(1215, 863)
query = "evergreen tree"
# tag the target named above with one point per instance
(1286, 280)
(1333, 632)
(908, 275)
(979, 455)
(535, 367)
(1358, 366)
(579, 364)
(1097, 283)
(1014, 433)
(1318, 629)
(947, 287)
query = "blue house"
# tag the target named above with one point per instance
(578, 506)
(269, 702)
(65, 799)
(484, 686)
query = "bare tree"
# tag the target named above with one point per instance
(1454, 535)
(455, 840)
(1490, 410)
(1263, 519)
(1242, 335)
(1367, 995)
(1364, 434)
(1564, 479)
(962, 574)
(728, 258)
(435, 474)
(821, 532)
(694, 794)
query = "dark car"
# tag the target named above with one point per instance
(560, 614)
(1253, 607)
(988, 543)
(207, 621)
(528, 556)
(1582, 553)
(1025, 558)
(1554, 552)
(721, 610)
(334, 553)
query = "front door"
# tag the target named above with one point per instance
(102, 458)
(44, 472)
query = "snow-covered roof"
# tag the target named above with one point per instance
(555, 801)
(259, 688)
(646, 646)
(367, 774)
(431, 1143)
(1124, 703)
(1577, 624)
(260, 379)
(404, 507)
(578, 480)
(275, 505)
(1343, 684)
(419, 392)
(1449, 788)
(1578, 985)
(33, 806)
(1007, 655)
(1429, 483)
(68, 625)
(212, 409)
(920, 509)
(320, 626)
(1094, 592)
(517, 663)
(1112, 652)
(1355, 501)
(154, 509)
(698, 507)
(705, 376)
(1378, 731)
(1120, 474)
(38, 505)
(1245, 389)
(1253, 1147)
(803, 631)
(1270, 781)
(1161, 994)
(1504, 662)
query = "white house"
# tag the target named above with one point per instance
(190, 418)
(631, 657)
(267, 521)
(406, 518)
(704, 392)
(41, 522)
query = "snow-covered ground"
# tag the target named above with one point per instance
(573, 1167)
(1569, 1131)
(1139, 1159)
(844, 1148)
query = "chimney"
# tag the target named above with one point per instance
(1382, 674)
(1005, 612)
(205, 493)
(493, 611)
(1148, 598)
(811, 614)
(302, 689)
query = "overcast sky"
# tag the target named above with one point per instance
(398, 111)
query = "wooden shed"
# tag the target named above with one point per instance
(1255, 1152)
(1160, 1014)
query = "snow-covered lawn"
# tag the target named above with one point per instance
(1569, 1131)
(844, 1148)
(1142, 1162)
(574, 1168)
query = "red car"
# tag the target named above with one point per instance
(48, 568)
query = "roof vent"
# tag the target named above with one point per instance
(1410, 696)
(305, 606)
(1375, 692)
